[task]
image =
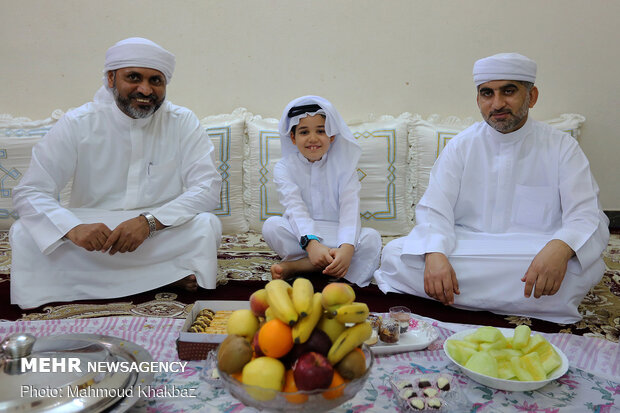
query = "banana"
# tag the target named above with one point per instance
(352, 313)
(332, 327)
(269, 314)
(350, 338)
(280, 301)
(305, 326)
(303, 293)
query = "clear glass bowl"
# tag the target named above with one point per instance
(281, 400)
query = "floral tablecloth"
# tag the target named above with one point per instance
(592, 383)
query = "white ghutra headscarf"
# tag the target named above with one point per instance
(344, 150)
(135, 52)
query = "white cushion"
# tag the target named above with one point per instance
(430, 136)
(19, 135)
(227, 132)
(427, 140)
(382, 171)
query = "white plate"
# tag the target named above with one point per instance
(501, 384)
(417, 337)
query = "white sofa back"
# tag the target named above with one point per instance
(397, 155)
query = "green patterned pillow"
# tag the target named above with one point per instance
(17, 137)
(383, 172)
(227, 132)
(430, 136)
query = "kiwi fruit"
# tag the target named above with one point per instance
(352, 366)
(233, 353)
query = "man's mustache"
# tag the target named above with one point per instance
(139, 95)
(501, 112)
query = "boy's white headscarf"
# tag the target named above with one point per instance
(135, 52)
(504, 66)
(343, 151)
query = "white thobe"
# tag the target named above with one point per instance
(493, 201)
(321, 199)
(120, 167)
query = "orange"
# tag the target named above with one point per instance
(237, 376)
(291, 387)
(338, 386)
(275, 338)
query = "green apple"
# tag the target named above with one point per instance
(242, 323)
(266, 373)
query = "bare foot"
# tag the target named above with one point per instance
(277, 272)
(188, 283)
(287, 269)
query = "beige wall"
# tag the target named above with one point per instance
(366, 56)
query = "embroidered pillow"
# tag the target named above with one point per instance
(430, 136)
(17, 137)
(382, 171)
(227, 132)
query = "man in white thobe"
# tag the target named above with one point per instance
(511, 211)
(144, 178)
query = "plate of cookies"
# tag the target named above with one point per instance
(428, 392)
(205, 328)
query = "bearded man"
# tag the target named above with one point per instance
(144, 179)
(511, 209)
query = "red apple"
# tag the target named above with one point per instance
(258, 302)
(312, 371)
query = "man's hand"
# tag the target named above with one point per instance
(547, 269)
(127, 236)
(318, 254)
(342, 259)
(91, 237)
(439, 278)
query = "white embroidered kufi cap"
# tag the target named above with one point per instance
(135, 52)
(504, 66)
(140, 52)
(344, 147)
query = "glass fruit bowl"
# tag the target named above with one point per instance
(319, 400)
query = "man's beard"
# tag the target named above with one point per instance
(510, 123)
(135, 112)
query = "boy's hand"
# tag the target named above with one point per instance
(318, 254)
(342, 259)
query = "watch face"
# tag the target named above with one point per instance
(303, 242)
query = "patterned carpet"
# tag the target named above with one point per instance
(244, 262)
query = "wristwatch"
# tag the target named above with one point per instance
(152, 224)
(305, 240)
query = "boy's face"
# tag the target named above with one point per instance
(310, 137)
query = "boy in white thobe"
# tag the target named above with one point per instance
(144, 178)
(511, 210)
(317, 184)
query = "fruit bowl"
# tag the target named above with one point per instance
(502, 384)
(283, 402)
